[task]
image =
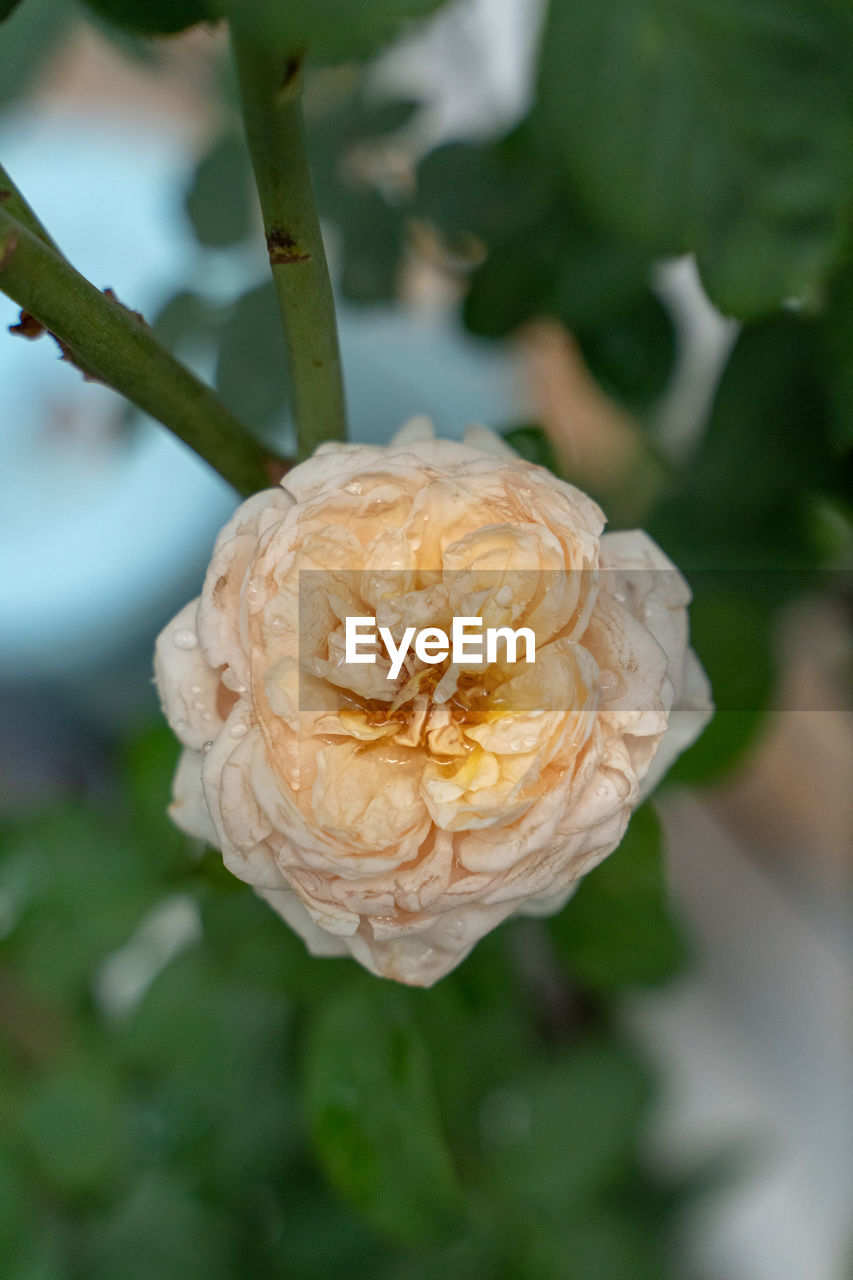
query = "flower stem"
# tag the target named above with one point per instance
(16, 206)
(112, 344)
(270, 88)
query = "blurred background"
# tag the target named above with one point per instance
(623, 238)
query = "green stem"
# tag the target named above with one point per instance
(114, 345)
(270, 88)
(16, 206)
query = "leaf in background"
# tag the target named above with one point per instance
(745, 501)
(373, 1114)
(345, 131)
(484, 189)
(836, 355)
(616, 1243)
(70, 1122)
(731, 628)
(721, 126)
(372, 247)
(154, 17)
(6, 7)
(28, 39)
(79, 887)
(163, 1231)
(250, 374)
(616, 931)
(632, 354)
(219, 202)
(188, 323)
(515, 283)
(565, 1133)
(330, 30)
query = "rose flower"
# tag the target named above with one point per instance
(398, 820)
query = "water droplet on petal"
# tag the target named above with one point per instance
(530, 741)
(239, 730)
(180, 726)
(184, 639)
(207, 745)
(601, 792)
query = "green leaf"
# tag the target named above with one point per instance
(6, 7)
(162, 1231)
(515, 283)
(71, 1123)
(616, 931)
(745, 502)
(330, 30)
(731, 628)
(486, 190)
(631, 355)
(721, 126)
(250, 374)
(154, 17)
(373, 1114)
(80, 887)
(609, 1244)
(566, 1132)
(836, 341)
(219, 201)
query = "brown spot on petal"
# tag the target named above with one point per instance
(225, 699)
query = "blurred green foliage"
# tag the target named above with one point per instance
(243, 1109)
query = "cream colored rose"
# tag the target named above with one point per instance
(399, 821)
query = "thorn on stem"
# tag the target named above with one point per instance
(30, 328)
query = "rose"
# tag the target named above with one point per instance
(401, 820)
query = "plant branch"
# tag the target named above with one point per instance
(16, 206)
(111, 344)
(270, 88)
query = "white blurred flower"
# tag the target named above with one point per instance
(399, 821)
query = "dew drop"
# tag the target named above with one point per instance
(278, 623)
(198, 705)
(195, 689)
(515, 744)
(601, 792)
(207, 745)
(181, 726)
(239, 730)
(205, 715)
(352, 486)
(184, 639)
(530, 741)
